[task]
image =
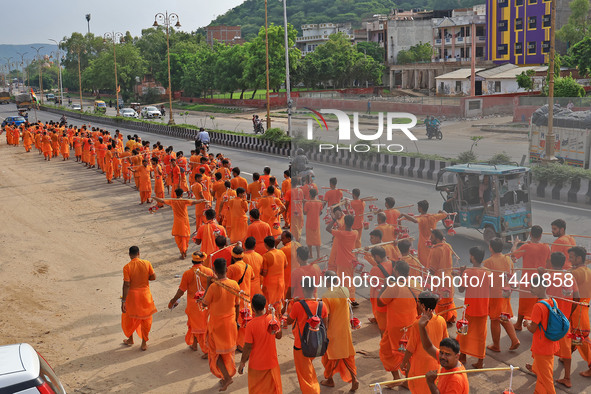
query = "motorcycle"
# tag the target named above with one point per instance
(259, 128)
(434, 131)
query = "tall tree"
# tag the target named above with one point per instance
(579, 23)
(580, 55)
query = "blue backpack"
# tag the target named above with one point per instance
(558, 324)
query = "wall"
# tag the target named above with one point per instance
(449, 87)
(276, 102)
(404, 34)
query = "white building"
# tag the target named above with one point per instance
(455, 83)
(318, 33)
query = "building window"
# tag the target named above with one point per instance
(546, 21)
(545, 46)
(458, 86)
(519, 48)
(518, 3)
(519, 24)
(503, 25)
(479, 52)
(531, 22)
(502, 3)
(532, 1)
(502, 49)
(497, 86)
(531, 48)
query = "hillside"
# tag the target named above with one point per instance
(251, 14)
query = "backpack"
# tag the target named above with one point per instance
(558, 324)
(313, 341)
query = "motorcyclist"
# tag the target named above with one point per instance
(299, 165)
(432, 125)
(63, 119)
(201, 139)
(256, 123)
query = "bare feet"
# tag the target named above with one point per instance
(478, 365)
(586, 374)
(529, 368)
(517, 327)
(328, 382)
(204, 356)
(225, 384)
(144, 346)
(194, 346)
(565, 382)
(372, 320)
(128, 341)
(354, 385)
(493, 348)
(514, 346)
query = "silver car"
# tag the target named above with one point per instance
(24, 371)
(76, 107)
(150, 112)
(128, 113)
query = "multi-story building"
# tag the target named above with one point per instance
(224, 34)
(406, 29)
(452, 36)
(318, 33)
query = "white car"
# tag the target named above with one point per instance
(24, 371)
(76, 107)
(150, 112)
(128, 113)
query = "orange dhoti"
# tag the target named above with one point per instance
(221, 341)
(543, 367)
(389, 355)
(445, 304)
(348, 272)
(267, 381)
(297, 223)
(474, 343)
(139, 310)
(526, 304)
(196, 325)
(420, 366)
(496, 306)
(580, 321)
(306, 373)
(344, 366)
(182, 243)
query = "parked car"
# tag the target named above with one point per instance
(17, 120)
(128, 113)
(76, 107)
(150, 112)
(50, 96)
(24, 371)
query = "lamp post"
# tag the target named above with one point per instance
(114, 37)
(7, 70)
(267, 67)
(550, 136)
(22, 55)
(39, 64)
(59, 67)
(287, 82)
(167, 19)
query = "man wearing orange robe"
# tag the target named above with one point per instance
(101, 150)
(580, 316)
(340, 353)
(238, 181)
(217, 189)
(441, 255)
(426, 222)
(221, 327)
(333, 195)
(344, 242)
(285, 186)
(422, 362)
(401, 311)
(270, 208)
(181, 228)
(392, 214)
(260, 351)
(534, 255)
(200, 192)
(358, 207)
(388, 231)
(474, 342)
(542, 348)
(228, 195)
(304, 270)
(158, 179)
(286, 249)
(254, 188)
(259, 230)
(136, 162)
(46, 141)
(27, 140)
(208, 232)
(499, 264)
(238, 219)
(313, 211)
(145, 183)
(108, 164)
(307, 379)
(382, 269)
(243, 274)
(563, 241)
(272, 271)
(197, 316)
(64, 147)
(137, 305)
(255, 260)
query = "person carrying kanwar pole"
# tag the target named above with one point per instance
(254, 188)
(158, 179)
(125, 165)
(388, 230)
(423, 362)
(401, 311)
(181, 228)
(243, 274)
(255, 260)
(391, 249)
(477, 300)
(271, 208)
(333, 196)
(137, 304)
(382, 268)
(285, 187)
(237, 216)
(313, 211)
(426, 222)
(238, 181)
(298, 316)
(260, 351)
(441, 256)
(534, 254)
(392, 214)
(448, 356)
(304, 271)
(142, 173)
(200, 192)
(285, 239)
(563, 242)
(259, 230)
(197, 316)
(224, 217)
(580, 314)
(344, 242)
(221, 297)
(499, 264)
(358, 207)
(272, 271)
(542, 348)
(136, 162)
(340, 353)
(207, 234)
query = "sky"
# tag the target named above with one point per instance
(42, 19)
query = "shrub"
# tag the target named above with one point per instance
(275, 134)
(467, 157)
(559, 173)
(500, 158)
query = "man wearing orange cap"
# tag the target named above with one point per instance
(137, 304)
(197, 316)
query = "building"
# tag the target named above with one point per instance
(317, 34)
(452, 36)
(406, 29)
(224, 34)
(455, 83)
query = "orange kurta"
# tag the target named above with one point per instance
(196, 315)
(259, 230)
(313, 210)
(274, 263)
(264, 375)
(427, 222)
(139, 303)
(533, 255)
(498, 304)
(255, 260)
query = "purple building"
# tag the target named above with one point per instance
(518, 31)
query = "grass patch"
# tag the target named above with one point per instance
(206, 108)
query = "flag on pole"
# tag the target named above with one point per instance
(118, 88)
(34, 96)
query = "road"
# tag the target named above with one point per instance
(406, 191)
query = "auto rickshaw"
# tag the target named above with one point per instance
(100, 106)
(493, 199)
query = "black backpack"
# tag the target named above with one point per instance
(313, 341)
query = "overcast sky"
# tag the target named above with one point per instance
(34, 21)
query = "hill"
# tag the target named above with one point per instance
(7, 50)
(251, 14)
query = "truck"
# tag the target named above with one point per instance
(4, 96)
(23, 101)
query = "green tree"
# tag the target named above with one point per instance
(421, 52)
(579, 24)
(568, 87)
(580, 55)
(372, 49)
(525, 80)
(88, 46)
(200, 72)
(231, 64)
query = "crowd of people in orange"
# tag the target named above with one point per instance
(253, 272)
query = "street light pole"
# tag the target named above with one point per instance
(550, 136)
(59, 67)
(39, 64)
(167, 19)
(267, 67)
(114, 37)
(7, 71)
(22, 55)
(287, 82)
